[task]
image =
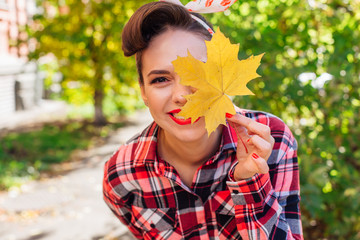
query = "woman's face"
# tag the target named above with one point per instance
(162, 91)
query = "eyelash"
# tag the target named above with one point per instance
(157, 80)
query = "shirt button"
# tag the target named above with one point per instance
(235, 191)
(199, 226)
(152, 225)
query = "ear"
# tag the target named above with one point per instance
(143, 95)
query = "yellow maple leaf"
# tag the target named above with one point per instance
(221, 76)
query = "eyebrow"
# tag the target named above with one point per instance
(158, 72)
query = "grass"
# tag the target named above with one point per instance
(25, 155)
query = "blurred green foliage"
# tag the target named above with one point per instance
(320, 38)
(310, 78)
(84, 38)
(24, 155)
(27, 153)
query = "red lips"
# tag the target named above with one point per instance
(180, 121)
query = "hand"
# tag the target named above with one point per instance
(254, 146)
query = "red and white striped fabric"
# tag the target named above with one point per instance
(147, 194)
(205, 6)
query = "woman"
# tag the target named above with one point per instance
(172, 181)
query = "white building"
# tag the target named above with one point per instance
(20, 88)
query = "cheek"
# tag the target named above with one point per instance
(157, 98)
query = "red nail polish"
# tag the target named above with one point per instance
(228, 115)
(255, 156)
(248, 140)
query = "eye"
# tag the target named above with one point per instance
(159, 80)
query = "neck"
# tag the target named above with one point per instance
(190, 154)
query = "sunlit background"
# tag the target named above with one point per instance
(63, 58)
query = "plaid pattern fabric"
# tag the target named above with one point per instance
(147, 195)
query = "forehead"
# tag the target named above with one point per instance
(165, 48)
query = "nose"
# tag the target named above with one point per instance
(179, 91)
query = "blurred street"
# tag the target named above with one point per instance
(68, 206)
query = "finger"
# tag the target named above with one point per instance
(263, 147)
(261, 164)
(240, 130)
(270, 138)
(241, 134)
(242, 151)
(252, 126)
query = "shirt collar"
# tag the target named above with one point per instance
(146, 149)
(228, 143)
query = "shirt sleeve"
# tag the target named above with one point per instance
(267, 205)
(119, 207)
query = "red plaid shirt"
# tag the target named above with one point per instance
(148, 196)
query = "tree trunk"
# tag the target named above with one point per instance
(99, 117)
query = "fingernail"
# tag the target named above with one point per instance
(255, 156)
(228, 115)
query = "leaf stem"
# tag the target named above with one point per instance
(238, 135)
(243, 144)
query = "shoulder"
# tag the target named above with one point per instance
(131, 156)
(132, 149)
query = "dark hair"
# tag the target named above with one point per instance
(153, 19)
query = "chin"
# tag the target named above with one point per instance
(185, 133)
(189, 133)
